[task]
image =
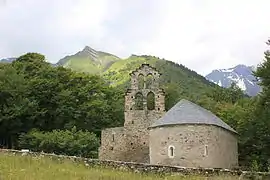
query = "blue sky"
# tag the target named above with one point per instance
(201, 34)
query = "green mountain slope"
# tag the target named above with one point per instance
(177, 80)
(88, 60)
(118, 72)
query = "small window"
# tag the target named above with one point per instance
(171, 152)
(206, 150)
(112, 137)
(132, 122)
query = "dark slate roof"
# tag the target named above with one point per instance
(186, 112)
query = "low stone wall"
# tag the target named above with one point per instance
(148, 168)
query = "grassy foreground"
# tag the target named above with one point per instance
(40, 168)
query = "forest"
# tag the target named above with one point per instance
(56, 109)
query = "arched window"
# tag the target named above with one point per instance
(171, 151)
(149, 81)
(140, 81)
(139, 101)
(150, 101)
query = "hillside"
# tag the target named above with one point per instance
(118, 72)
(88, 60)
(177, 80)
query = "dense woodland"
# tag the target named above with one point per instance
(54, 109)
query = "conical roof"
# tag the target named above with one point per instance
(186, 112)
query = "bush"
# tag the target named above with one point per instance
(65, 142)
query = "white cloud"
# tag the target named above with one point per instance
(210, 34)
(201, 34)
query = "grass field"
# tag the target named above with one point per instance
(40, 168)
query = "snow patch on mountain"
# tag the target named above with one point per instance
(241, 84)
(241, 74)
(219, 83)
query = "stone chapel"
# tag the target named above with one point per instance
(187, 135)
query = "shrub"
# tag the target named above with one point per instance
(66, 142)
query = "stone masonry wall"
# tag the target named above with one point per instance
(112, 140)
(194, 146)
(147, 168)
(137, 135)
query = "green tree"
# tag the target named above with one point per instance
(67, 142)
(258, 141)
(230, 95)
(15, 109)
(36, 95)
(263, 74)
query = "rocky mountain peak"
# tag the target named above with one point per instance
(88, 52)
(241, 74)
(88, 49)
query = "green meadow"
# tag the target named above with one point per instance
(17, 167)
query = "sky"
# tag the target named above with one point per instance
(201, 34)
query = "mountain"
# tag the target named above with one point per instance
(88, 60)
(7, 60)
(177, 80)
(241, 74)
(118, 72)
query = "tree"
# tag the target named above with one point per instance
(15, 109)
(263, 74)
(67, 142)
(35, 94)
(229, 95)
(258, 141)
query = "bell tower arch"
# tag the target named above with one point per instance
(144, 85)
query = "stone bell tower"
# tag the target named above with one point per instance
(144, 104)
